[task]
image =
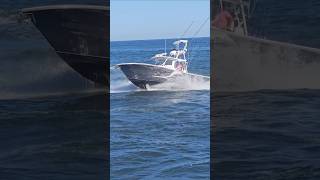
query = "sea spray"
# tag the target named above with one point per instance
(119, 83)
(184, 83)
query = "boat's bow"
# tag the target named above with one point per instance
(142, 74)
(79, 34)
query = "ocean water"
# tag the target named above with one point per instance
(270, 134)
(53, 122)
(55, 137)
(266, 135)
(161, 133)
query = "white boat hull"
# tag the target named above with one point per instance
(243, 63)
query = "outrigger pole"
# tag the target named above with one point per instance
(165, 45)
(196, 33)
(184, 33)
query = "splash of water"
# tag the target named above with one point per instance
(119, 83)
(183, 83)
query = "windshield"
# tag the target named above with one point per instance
(168, 62)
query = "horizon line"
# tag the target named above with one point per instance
(158, 39)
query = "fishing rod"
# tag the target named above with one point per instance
(184, 33)
(195, 34)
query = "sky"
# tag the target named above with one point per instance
(158, 19)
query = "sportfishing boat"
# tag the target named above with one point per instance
(167, 67)
(79, 34)
(244, 62)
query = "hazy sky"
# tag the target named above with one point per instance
(158, 19)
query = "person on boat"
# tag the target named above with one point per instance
(173, 53)
(179, 66)
(224, 20)
(180, 55)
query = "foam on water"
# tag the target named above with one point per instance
(184, 83)
(119, 83)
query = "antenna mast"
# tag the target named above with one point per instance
(165, 45)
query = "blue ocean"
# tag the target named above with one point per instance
(161, 133)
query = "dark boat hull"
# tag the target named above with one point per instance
(80, 36)
(142, 75)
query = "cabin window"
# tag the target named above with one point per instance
(168, 62)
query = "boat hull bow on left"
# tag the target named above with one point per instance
(141, 74)
(79, 34)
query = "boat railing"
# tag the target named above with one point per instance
(241, 11)
(176, 55)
